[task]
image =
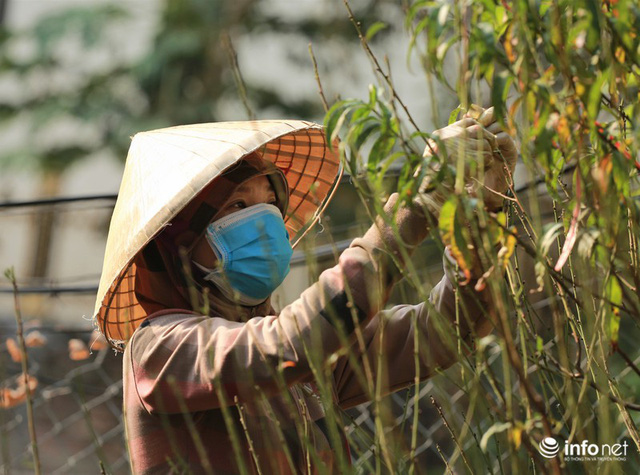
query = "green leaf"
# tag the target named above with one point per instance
(453, 117)
(335, 117)
(586, 242)
(613, 294)
(544, 7)
(10, 274)
(499, 91)
(379, 151)
(373, 95)
(613, 291)
(447, 215)
(595, 95)
(359, 133)
(539, 344)
(374, 29)
(453, 234)
(549, 237)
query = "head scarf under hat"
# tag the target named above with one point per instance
(170, 189)
(164, 275)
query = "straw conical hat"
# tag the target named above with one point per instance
(167, 168)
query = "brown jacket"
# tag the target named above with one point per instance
(239, 393)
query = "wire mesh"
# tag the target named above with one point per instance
(80, 429)
(77, 410)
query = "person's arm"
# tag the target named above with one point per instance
(391, 335)
(187, 362)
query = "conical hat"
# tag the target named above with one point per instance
(167, 168)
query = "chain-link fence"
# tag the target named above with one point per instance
(77, 408)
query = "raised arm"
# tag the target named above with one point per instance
(390, 340)
(193, 363)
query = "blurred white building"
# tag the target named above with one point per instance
(79, 234)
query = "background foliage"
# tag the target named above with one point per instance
(563, 78)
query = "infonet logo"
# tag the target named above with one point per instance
(550, 448)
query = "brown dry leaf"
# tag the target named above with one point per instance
(78, 350)
(14, 350)
(33, 382)
(35, 339)
(98, 341)
(564, 133)
(7, 400)
(11, 397)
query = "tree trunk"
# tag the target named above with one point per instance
(42, 227)
(3, 10)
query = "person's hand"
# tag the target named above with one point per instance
(465, 141)
(499, 173)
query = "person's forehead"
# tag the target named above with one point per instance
(255, 183)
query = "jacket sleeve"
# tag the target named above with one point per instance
(388, 340)
(192, 363)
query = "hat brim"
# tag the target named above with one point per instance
(167, 168)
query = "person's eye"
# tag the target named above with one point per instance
(238, 205)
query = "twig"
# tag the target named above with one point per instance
(628, 360)
(532, 452)
(557, 277)
(11, 276)
(325, 104)
(581, 377)
(237, 75)
(502, 195)
(252, 450)
(453, 436)
(606, 100)
(444, 459)
(631, 406)
(517, 364)
(378, 68)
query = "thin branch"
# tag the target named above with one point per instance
(325, 104)
(631, 406)
(629, 361)
(11, 276)
(378, 68)
(237, 75)
(453, 436)
(444, 459)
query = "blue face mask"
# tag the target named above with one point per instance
(253, 251)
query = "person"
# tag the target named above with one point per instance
(214, 379)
